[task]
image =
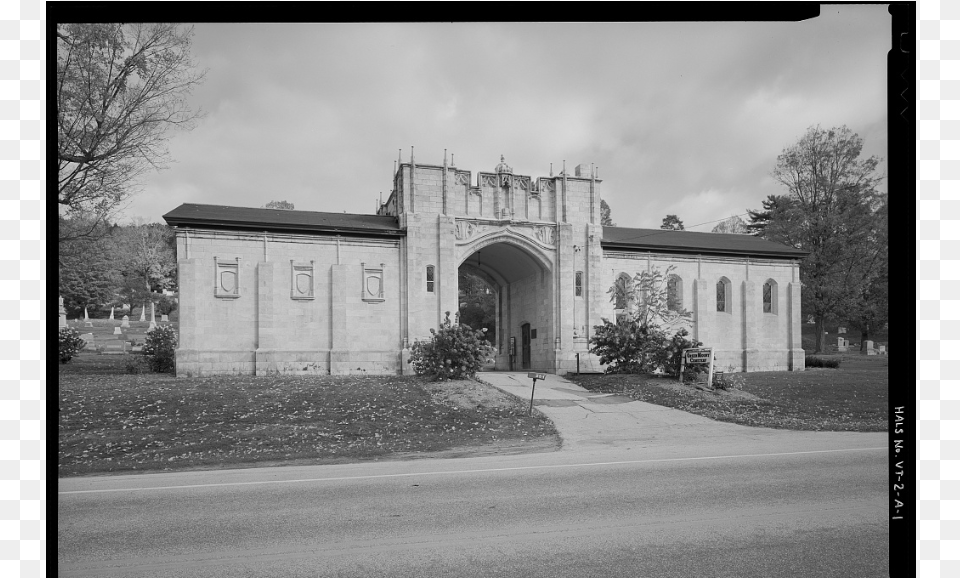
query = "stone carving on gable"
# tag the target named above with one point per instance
(504, 180)
(465, 230)
(546, 186)
(544, 234)
(488, 181)
(522, 183)
(462, 179)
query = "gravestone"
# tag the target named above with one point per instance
(869, 346)
(164, 319)
(841, 344)
(63, 314)
(153, 316)
(882, 349)
(143, 312)
(841, 329)
(126, 321)
(86, 319)
(117, 331)
(111, 313)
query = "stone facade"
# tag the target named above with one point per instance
(290, 292)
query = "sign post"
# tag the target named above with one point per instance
(698, 356)
(535, 377)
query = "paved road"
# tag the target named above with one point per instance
(677, 497)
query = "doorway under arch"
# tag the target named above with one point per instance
(523, 288)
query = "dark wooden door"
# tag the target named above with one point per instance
(525, 341)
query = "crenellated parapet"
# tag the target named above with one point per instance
(499, 195)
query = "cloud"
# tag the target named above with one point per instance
(679, 117)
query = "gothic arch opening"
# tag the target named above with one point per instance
(520, 298)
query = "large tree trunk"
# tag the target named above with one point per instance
(818, 347)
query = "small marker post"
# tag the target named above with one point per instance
(535, 377)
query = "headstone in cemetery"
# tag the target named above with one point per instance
(841, 344)
(126, 321)
(111, 313)
(143, 313)
(164, 319)
(116, 331)
(841, 329)
(63, 314)
(882, 349)
(153, 315)
(86, 318)
(869, 346)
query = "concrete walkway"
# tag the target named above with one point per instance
(596, 421)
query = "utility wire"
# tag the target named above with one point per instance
(661, 231)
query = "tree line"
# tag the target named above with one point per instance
(833, 208)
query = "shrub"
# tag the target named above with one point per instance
(638, 342)
(166, 305)
(626, 346)
(160, 347)
(454, 352)
(136, 363)
(828, 362)
(629, 347)
(70, 344)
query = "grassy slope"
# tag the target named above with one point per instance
(850, 398)
(114, 422)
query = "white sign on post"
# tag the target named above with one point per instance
(698, 356)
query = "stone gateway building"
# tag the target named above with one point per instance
(266, 291)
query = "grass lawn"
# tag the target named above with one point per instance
(113, 422)
(850, 398)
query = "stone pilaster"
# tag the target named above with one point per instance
(191, 287)
(565, 261)
(794, 319)
(751, 309)
(446, 271)
(701, 310)
(339, 332)
(267, 326)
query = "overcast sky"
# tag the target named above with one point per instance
(682, 118)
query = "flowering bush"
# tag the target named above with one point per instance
(639, 342)
(70, 343)
(160, 346)
(454, 352)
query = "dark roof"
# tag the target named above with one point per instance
(282, 221)
(665, 240)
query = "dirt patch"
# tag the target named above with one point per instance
(470, 394)
(714, 395)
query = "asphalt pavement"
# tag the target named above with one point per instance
(636, 490)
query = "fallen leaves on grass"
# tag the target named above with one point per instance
(113, 422)
(852, 398)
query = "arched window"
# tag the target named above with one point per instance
(674, 293)
(430, 279)
(723, 295)
(770, 296)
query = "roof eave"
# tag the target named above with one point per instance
(794, 254)
(281, 227)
